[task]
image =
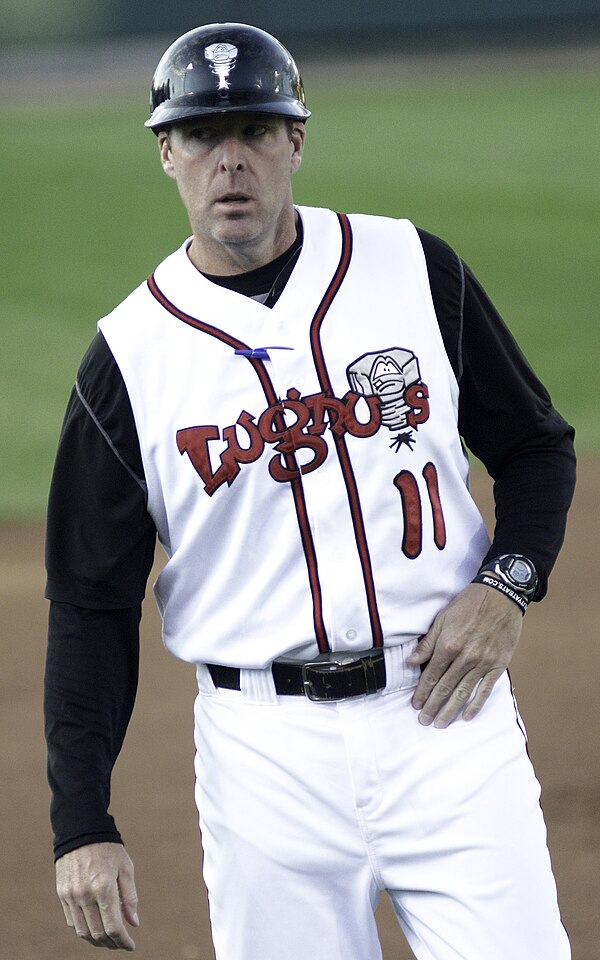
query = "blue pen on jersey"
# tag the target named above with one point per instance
(258, 353)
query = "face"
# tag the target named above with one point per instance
(233, 172)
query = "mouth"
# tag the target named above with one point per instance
(233, 199)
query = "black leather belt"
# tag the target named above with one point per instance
(322, 680)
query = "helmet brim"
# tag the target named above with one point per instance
(185, 108)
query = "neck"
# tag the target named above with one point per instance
(266, 283)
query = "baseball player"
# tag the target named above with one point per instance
(283, 403)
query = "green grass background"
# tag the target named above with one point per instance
(502, 163)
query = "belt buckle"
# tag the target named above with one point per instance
(322, 666)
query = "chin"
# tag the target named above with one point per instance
(233, 235)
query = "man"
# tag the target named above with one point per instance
(283, 404)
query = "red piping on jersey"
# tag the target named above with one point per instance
(296, 484)
(340, 443)
(221, 335)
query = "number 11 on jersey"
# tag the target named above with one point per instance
(412, 510)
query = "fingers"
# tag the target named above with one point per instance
(441, 699)
(447, 681)
(446, 702)
(128, 898)
(458, 680)
(424, 649)
(481, 695)
(97, 891)
(90, 926)
(98, 924)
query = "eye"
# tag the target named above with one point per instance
(201, 134)
(253, 130)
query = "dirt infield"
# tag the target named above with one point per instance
(555, 673)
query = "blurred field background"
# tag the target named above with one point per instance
(496, 149)
(498, 155)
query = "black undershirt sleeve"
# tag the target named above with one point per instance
(506, 417)
(99, 552)
(100, 538)
(89, 692)
(523, 441)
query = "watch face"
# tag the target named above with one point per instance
(517, 572)
(520, 571)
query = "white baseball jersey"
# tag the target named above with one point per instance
(304, 467)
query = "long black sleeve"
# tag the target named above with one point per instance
(99, 551)
(534, 468)
(100, 538)
(506, 417)
(89, 692)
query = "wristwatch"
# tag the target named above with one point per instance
(512, 574)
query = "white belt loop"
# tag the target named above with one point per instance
(205, 681)
(258, 685)
(394, 668)
(399, 675)
(412, 675)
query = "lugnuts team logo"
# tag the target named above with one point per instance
(222, 56)
(393, 376)
(385, 390)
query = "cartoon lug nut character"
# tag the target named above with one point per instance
(394, 377)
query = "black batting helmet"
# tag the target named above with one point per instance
(225, 67)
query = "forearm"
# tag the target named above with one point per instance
(90, 687)
(507, 419)
(505, 415)
(532, 495)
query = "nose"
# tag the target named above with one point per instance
(232, 158)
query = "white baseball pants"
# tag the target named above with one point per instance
(309, 811)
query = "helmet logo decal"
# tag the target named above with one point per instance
(222, 57)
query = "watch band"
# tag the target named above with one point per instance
(491, 580)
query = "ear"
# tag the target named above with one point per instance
(297, 141)
(166, 158)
